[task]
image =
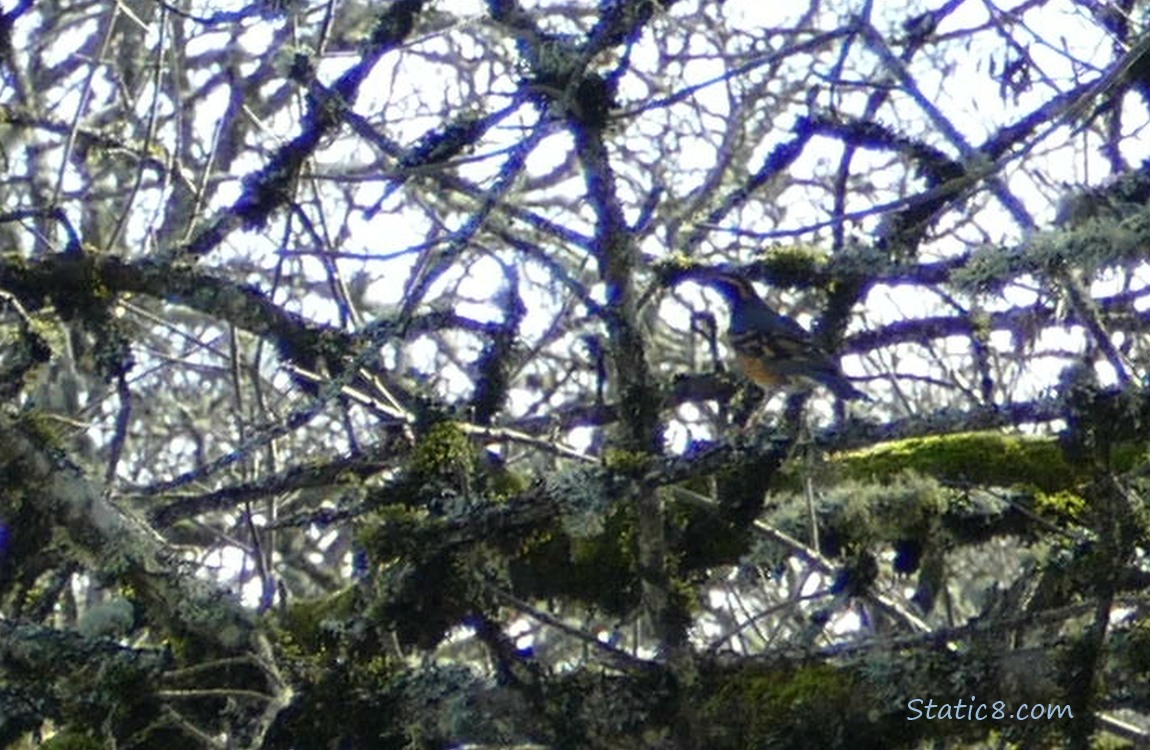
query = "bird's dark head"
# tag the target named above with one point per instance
(735, 288)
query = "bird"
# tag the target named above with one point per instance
(771, 349)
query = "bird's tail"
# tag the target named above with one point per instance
(842, 387)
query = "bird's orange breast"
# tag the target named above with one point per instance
(758, 371)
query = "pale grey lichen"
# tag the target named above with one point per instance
(113, 618)
(585, 495)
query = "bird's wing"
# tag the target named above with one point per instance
(778, 344)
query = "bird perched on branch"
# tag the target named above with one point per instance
(772, 349)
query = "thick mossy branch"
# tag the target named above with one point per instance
(968, 459)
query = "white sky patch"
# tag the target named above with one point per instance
(679, 432)
(551, 153)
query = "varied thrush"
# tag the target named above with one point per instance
(772, 349)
